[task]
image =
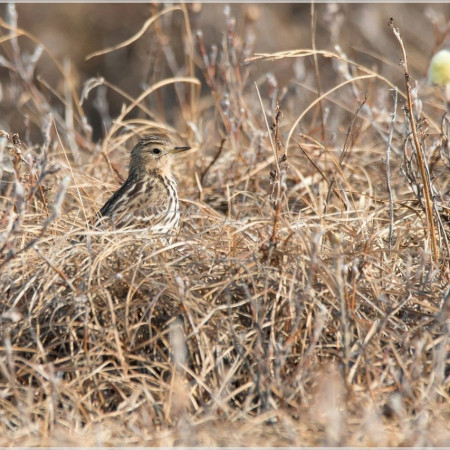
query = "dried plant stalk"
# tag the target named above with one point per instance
(420, 159)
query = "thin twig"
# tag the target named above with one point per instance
(278, 171)
(388, 171)
(213, 161)
(420, 159)
(275, 127)
(316, 68)
(343, 153)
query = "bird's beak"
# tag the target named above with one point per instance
(179, 150)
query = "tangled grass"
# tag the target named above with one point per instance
(301, 302)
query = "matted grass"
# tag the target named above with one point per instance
(300, 304)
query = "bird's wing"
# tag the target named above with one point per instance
(121, 197)
(136, 199)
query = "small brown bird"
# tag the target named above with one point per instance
(149, 196)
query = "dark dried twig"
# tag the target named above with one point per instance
(347, 144)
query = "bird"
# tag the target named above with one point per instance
(149, 196)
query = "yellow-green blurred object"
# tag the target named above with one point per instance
(439, 72)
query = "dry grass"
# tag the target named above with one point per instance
(294, 308)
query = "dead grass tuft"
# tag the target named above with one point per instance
(295, 306)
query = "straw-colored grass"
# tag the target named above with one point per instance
(298, 305)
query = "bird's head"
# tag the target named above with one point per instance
(153, 154)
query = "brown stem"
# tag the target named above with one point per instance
(419, 156)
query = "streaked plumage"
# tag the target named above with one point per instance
(149, 197)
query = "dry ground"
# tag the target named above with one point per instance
(305, 300)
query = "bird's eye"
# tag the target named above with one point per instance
(156, 151)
